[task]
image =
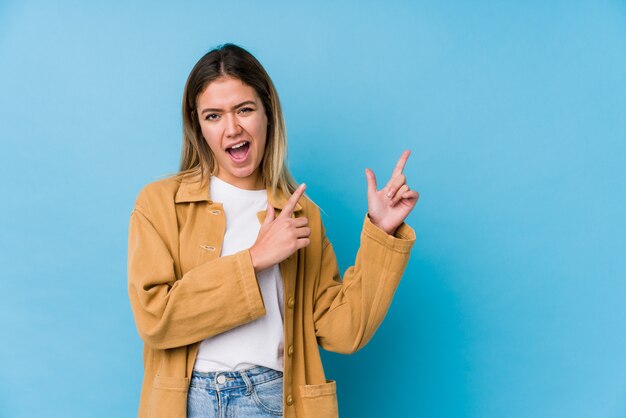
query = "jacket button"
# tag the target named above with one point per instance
(291, 302)
(290, 351)
(289, 400)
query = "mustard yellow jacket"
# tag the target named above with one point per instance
(181, 292)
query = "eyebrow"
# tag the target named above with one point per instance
(247, 102)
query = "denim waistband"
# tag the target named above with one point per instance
(234, 379)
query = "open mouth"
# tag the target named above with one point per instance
(239, 152)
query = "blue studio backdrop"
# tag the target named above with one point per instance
(513, 303)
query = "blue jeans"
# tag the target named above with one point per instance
(255, 392)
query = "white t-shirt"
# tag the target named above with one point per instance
(260, 342)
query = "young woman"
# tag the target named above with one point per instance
(232, 280)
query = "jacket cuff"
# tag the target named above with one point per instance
(250, 284)
(402, 240)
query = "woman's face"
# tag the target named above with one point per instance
(234, 124)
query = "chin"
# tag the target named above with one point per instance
(243, 173)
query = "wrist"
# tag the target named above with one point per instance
(254, 257)
(389, 230)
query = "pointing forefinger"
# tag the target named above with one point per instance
(293, 200)
(401, 163)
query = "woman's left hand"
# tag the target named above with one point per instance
(389, 206)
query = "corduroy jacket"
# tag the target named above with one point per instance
(181, 292)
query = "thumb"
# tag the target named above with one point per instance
(371, 181)
(269, 214)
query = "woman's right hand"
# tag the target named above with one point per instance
(282, 236)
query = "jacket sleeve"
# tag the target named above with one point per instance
(212, 298)
(347, 313)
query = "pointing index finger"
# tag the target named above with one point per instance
(401, 163)
(291, 203)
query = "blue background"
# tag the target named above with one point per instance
(513, 303)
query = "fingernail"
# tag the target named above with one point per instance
(390, 193)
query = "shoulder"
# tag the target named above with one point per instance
(309, 207)
(158, 193)
(313, 212)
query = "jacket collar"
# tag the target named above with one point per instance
(192, 190)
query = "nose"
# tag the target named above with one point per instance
(232, 125)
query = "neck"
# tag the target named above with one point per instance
(245, 183)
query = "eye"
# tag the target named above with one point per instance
(246, 110)
(211, 116)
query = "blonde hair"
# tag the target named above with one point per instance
(230, 60)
